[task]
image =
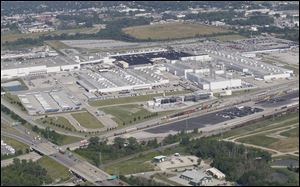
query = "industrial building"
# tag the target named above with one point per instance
(169, 100)
(149, 58)
(11, 69)
(215, 82)
(196, 178)
(12, 86)
(45, 102)
(120, 80)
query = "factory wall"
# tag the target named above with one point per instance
(277, 76)
(70, 67)
(20, 72)
(225, 83)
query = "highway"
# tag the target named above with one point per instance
(76, 165)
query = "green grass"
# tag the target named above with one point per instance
(123, 100)
(265, 124)
(133, 99)
(56, 44)
(230, 37)
(127, 113)
(282, 157)
(15, 143)
(259, 140)
(172, 31)
(131, 114)
(141, 163)
(291, 133)
(53, 123)
(14, 100)
(135, 165)
(69, 140)
(87, 120)
(7, 128)
(55, 170)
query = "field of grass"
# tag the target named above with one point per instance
(123, 100)
(266, 124)
(291, 133)
(13, 37)
(291, 143)
(142, 162)
(54, 169)
(172, 31)
(229, 37)
(69, 139)
(87, 120)
(56, 44)
(57, 122)
(259, 140)
(7, 128)
(127, 113)
(133, 99)
(135, 165)
(131, 114)
(282, 157)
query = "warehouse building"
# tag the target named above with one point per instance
(119, 80)
(45, 102)
(12, 86)
(11, 69)
(216, 82)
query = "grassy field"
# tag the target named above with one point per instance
(291, 143)
(131, 114)
(230, 37)
(54, 169)
(264, 125)
(69, 139)
(260, 140)
(135, 165)
(123, 100)
(57, 122)
(7, 128)
(142, 162)
(291, 133)
(15, 143)
(172, 31)
(133, 99)
(13, 37)
(87, 120)
(56, 44)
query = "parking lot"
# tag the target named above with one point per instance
(205, 120)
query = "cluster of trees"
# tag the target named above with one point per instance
(49, 134)
(23, 173)
(13, 115)
(247, 166)
(139, 181)
(213, 16)
(253, 20)
(44, 121)
(120, 148)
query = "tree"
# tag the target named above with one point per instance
(119, 142)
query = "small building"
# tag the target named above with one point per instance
(196, 178)
(13, 86)
(216, 173)
(160, 158)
